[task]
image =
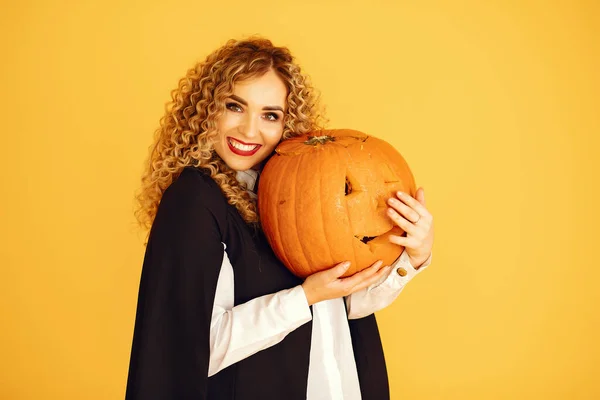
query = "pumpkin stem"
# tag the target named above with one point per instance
(314, 140)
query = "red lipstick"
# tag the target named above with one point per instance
(241, 152)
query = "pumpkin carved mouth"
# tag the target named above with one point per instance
(365, 239)
(374, 241)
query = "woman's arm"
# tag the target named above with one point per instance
(241, 331)
(381, 294)
(171, 341)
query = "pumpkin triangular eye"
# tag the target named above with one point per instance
(348, 187)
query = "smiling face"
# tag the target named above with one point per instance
(252, 124)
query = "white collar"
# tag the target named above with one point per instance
(249, 177)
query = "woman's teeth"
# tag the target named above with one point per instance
(243, 147)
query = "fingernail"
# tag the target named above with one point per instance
(399, 193)
(346, 264)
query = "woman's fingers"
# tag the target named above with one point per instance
(412, 203)
(399, 220)
(338, 270)
(363, 278)
(404, 210)
(406, 242)
(372, 279)
(327, 284)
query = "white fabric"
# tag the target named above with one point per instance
(241, 331)
(381, 294)
(238, 332)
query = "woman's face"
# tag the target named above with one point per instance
(252, 124)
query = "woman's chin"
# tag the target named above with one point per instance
(241, 164)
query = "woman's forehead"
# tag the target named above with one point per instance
(266, 90)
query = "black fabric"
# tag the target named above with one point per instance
(370, 361)
(170, 350)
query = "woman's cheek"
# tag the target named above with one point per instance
(229, 120)
(275, 133)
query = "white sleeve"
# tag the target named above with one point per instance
(381, 294)
(241, 331)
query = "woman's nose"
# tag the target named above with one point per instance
(250, 127)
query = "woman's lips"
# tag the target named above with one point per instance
(241, 148)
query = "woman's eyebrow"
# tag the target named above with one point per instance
(245, 103)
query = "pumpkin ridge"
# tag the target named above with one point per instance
(347, 174)
(322, 215)
(306, 265)
(276, 221)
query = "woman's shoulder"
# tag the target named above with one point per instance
(195, 187)
(191, 207)
(196, 178)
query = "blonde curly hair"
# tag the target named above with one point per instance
(188, 127)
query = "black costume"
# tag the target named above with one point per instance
(170, 351)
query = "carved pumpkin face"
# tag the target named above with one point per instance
(322, 200)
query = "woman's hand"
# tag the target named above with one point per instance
(413, 218)
(327, 284)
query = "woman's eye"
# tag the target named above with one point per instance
(272, 117)
(233, 107)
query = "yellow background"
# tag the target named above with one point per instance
(493, 104)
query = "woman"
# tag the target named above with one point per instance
(218, 316)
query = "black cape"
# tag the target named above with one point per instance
(170, 351)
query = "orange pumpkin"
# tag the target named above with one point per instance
(322, 200)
